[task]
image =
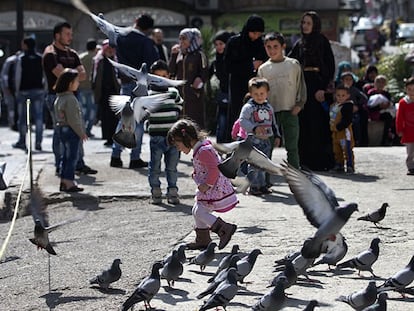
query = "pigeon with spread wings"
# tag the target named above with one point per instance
(132, 112)
(110, 30)
(320, 207)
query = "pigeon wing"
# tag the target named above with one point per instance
(163, 82)
(118, 102)
(149, 103)
(128, 71)
(317, 200)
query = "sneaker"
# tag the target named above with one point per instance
(350, 170)
(86, 170)
(19, 146)
(255, 191)
(410, 171)
(172, 196)
(265, 190)
(115, 162)
(156, 196)
(138, 164)
(38, 147)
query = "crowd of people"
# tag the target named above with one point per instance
(290, 99)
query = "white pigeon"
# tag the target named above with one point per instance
(110, 30)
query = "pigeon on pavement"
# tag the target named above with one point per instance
(220, 277)
(364, 260)
(288, 257)
(146, 290)
(289, 273)
(225, 262)
(172, 269)
(110, 30)
(246, 264)
(3, 185)
(132, 112)
(205, 257)
(180, 252)
(361, 299)
(273, 300)
(320, 207)
(311, 305)
(224, 293)
(380, 305)
(241, 151)
(109, 276)
(335, 252)
(400, 280)
(375, 216)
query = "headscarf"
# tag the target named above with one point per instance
(193, 35)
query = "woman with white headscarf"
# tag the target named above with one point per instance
(188, 62)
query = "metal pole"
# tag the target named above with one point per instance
(29, 133)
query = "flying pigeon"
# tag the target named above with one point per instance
(110, 30)
(375, 216)
(273, 300)
(220, 277)
(380, 305)
(41, 232)
(289, 273)
(142, 77)
(205, 256)
(400, 280)
(311, 305)
(361, 299)
(172, 269)
(364, 260)
(246, 264)
(225, 262)
(3, 185)
(109, 276)
(335, 252)
(241, 151)
(146, 290)
(320, 206)
(132, 112)
(224, 293)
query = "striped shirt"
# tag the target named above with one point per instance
(163, 119)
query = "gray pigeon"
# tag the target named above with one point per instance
(180, 252)
(205, 257)
(335, 252)
(375, 216)
(224, 293)
(225, 262)
(246, 264)
(3, 185)
(273, 300)
(288, 257)
(132, 112)
(241, 151)
(220, 277)
(364, 260)
(144, 79)
(400, 280)
(320, 207)
(110, 30)
(172, 269)
(289, 273)
(361, 299)
(311, 305)
(109, 276)
(146, 290)
(380, 305)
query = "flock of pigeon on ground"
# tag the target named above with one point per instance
(326, 246)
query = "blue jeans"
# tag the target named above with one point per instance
(70, 141)
(87, 100)
(256, 176)
(159, 147)
(56, 144)
(37, 97)
(126, 89)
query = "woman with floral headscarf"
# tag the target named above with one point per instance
(314, 53)
(188, 62)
